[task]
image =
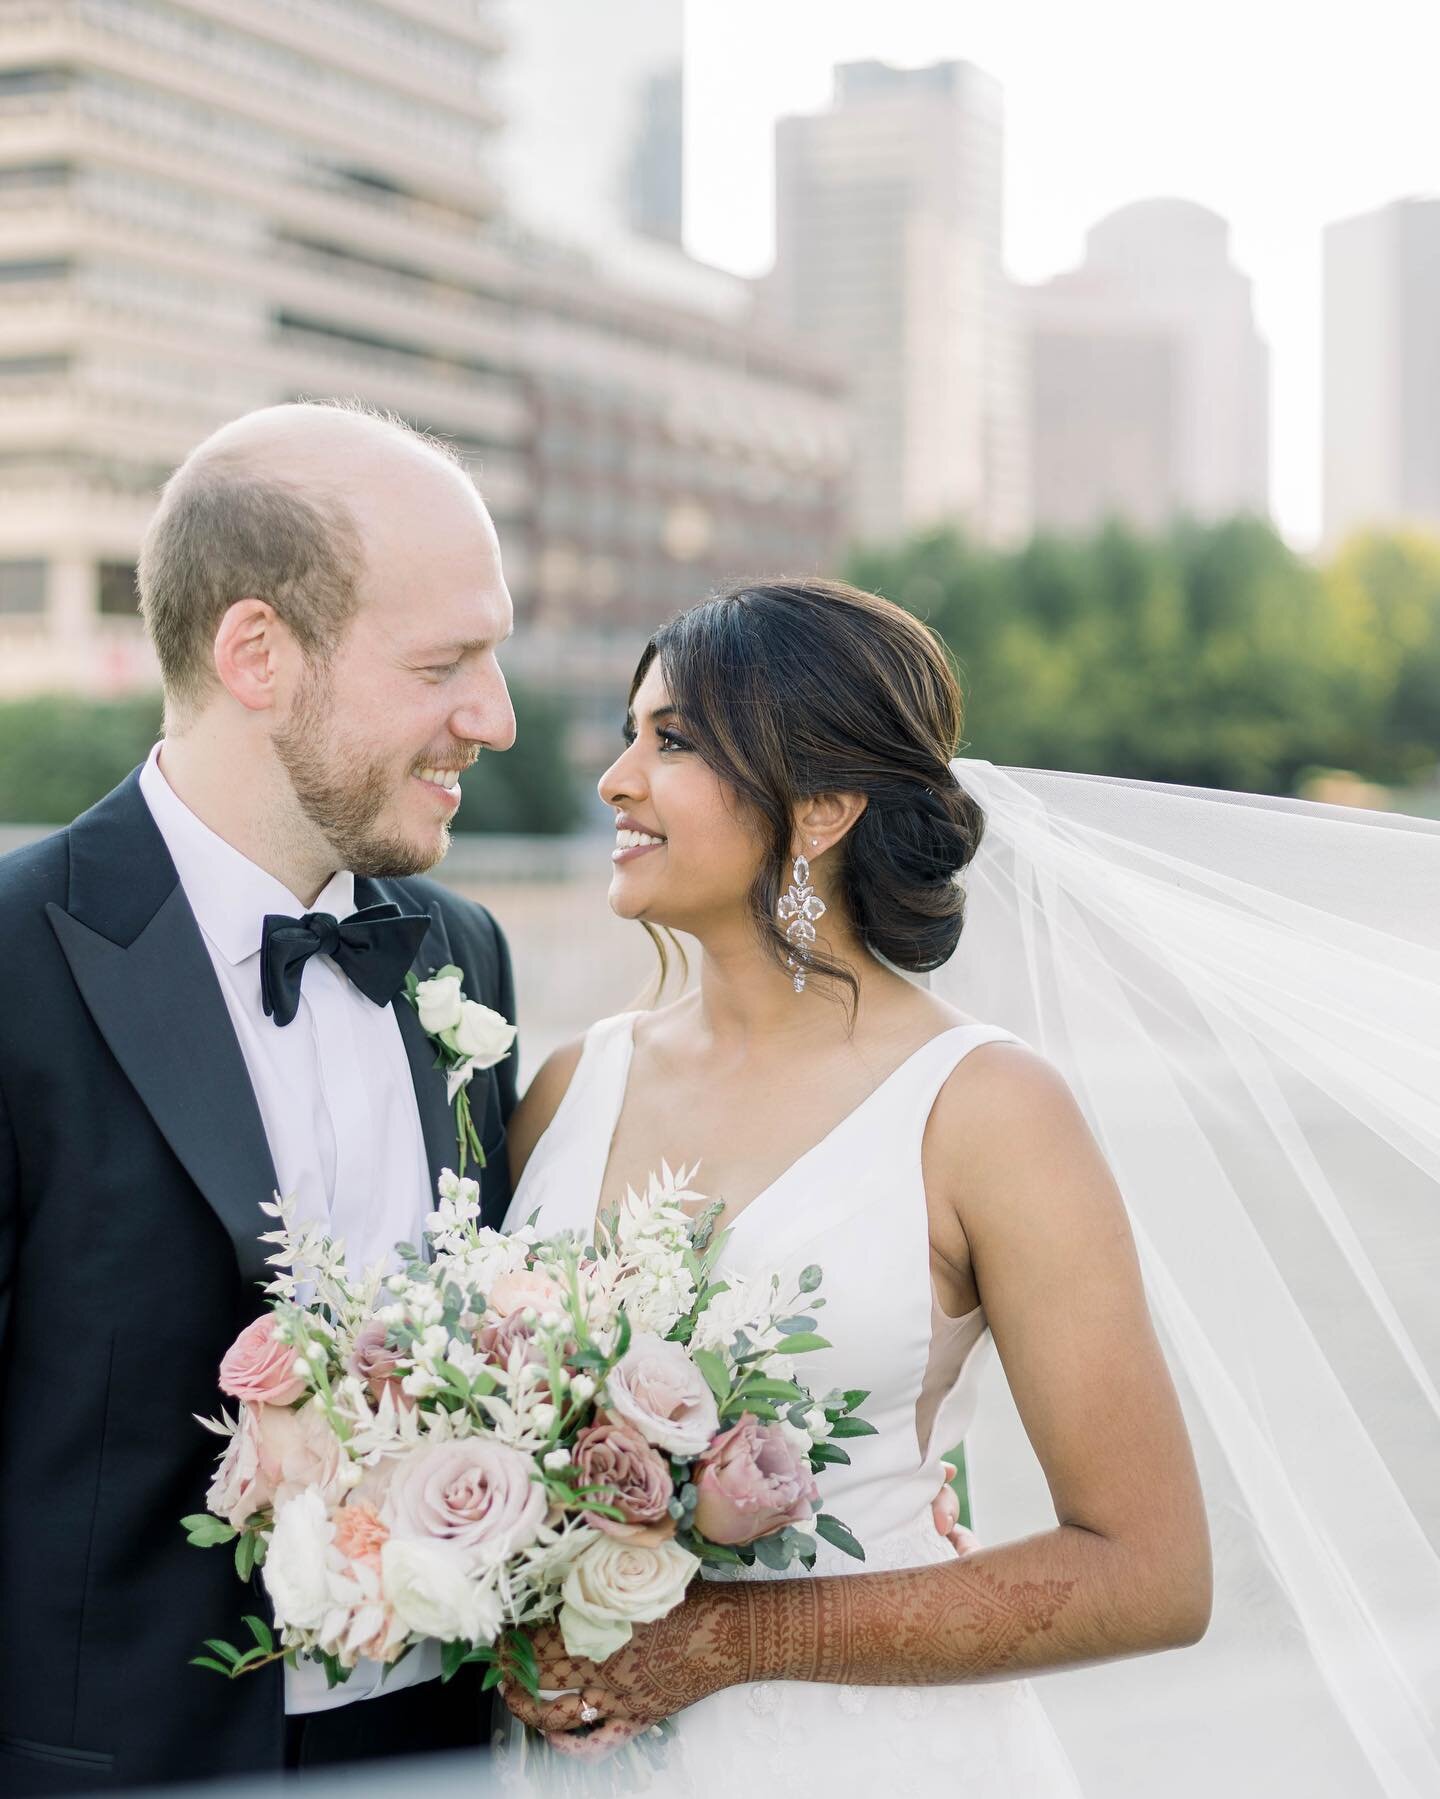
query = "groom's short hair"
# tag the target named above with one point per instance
(226, 529)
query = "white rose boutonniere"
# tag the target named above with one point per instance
(468, 1036)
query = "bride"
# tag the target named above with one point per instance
(785, 798)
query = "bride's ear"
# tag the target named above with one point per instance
(823, 819)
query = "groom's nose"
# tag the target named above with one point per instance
(486, 715)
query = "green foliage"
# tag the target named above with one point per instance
(1211, 654)
(60, 753)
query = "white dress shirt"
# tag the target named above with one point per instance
(335, 1095)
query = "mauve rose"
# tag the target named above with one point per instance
(258, 1367)
(657, 1388)
(374, 1361)
(476, 1495)
(526, 1287)
(617, 1457)
(496, 1342)
(751, 1481)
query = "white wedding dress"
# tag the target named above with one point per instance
(855, 1204)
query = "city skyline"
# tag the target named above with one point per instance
(1266, 126)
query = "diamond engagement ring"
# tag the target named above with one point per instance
(589, 1713)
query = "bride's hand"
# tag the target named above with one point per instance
(696, 1651)
(945, 1508)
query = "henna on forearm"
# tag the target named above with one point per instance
(1015, 1609)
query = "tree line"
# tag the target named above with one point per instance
(1209, 654)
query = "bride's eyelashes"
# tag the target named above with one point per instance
(666, 739)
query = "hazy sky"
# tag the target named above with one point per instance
(1279, 115)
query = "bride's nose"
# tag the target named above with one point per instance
(622, 782)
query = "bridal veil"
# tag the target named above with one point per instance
(1244, 994)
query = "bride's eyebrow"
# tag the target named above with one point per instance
(658, 716)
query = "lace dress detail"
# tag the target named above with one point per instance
(855, 1203)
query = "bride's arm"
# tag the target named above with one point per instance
(531, 1118)
(1127, 1567)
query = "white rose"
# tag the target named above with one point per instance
(296, 1568)
(483, 1037)
(439, 1002)
(428, 1587)
(657, 1388)
(615, 1584)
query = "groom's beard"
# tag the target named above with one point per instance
(343, 793)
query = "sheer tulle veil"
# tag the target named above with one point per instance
(1244, 994)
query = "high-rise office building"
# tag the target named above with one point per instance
(1382, 368)
(889, 257)
(1148, 381)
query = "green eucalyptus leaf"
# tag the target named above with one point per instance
(802, 1342)
(810, 1278)
(834, 1532)
(717, 1376)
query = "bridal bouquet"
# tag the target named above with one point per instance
(511, 1428)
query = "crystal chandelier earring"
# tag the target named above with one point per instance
(800, 906)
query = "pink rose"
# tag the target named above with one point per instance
(299, 1449)
(476, 1494)
(657, 1388)
(258, 1367)
(240, 1487)
(528, 1287)
(617, 1457)
(374, 1361)
(751, 1481)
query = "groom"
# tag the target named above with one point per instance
(325, 594)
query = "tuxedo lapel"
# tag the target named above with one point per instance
(437, 1118)
(142, 968)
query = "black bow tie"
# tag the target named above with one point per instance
(374, 946)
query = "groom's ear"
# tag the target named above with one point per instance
(251, 649)
(823, 819)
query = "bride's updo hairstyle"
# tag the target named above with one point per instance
(793, 688)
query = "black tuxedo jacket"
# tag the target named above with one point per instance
(133, 1164)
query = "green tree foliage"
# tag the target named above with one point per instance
(1210, 655)
(61, 753)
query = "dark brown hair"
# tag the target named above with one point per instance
(793, 688)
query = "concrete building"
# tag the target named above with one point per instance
(594, 112)
(206, 207)
(212, 205)
(1382, 368)
(889, 258)
(1148, 381)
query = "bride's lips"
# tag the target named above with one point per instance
(633, 840)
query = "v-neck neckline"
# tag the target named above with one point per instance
(731, 1223)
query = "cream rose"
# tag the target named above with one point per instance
(614, 1585)
(240, 1488)
(438, 1002)
(477, 1495)
(657, 1388)
(483, 1037)
(428, 1587)
(299, 1450)
(526, 1287)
